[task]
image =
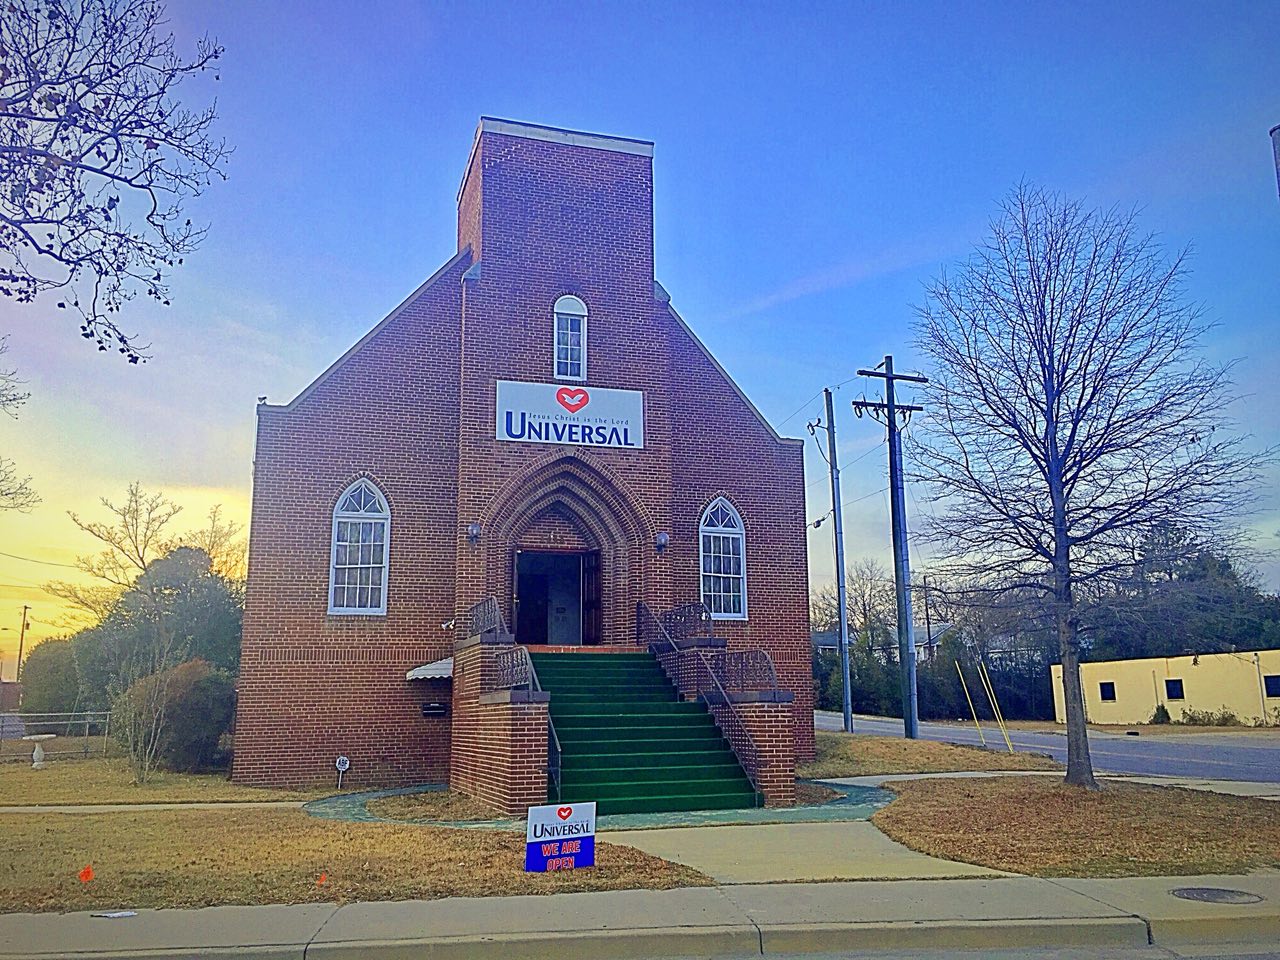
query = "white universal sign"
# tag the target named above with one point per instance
(576, 415)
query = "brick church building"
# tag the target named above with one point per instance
(527, 536)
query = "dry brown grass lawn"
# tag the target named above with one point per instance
(196, 858)
(434, 805)
(109, 781)
(1038, 826)
(860, 755)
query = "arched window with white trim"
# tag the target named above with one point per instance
(723, 554)
(570, 339)
(358, 564)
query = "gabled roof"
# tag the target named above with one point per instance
(355, 348)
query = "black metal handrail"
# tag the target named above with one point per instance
(715, 673)
(690, 620)
(728, 719)
(553, 739)
(651, 633)
(743, 671)
(515, 670)
(486, 617)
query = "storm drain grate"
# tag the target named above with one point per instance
(1216, 895)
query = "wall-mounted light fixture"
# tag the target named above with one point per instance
(660, 542)
(473, 532)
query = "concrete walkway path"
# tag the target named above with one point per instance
(779, 853)
(725, 921)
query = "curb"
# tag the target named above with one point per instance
(726, 941)
(1187, 931)
(740, 940)
(954, 935)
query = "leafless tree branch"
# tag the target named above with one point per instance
(97, 157)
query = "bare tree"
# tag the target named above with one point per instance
(137, 534)
(15, 489)
(1070, 412)
(872, 606)
(97, 157)
(222, 540)
(869, 594)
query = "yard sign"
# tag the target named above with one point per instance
(560, 836)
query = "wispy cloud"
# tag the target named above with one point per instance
(921, 251)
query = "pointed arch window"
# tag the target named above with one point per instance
(723, 555)
(358, 566)
(570, 339)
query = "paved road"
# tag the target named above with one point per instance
(1251, 756)
(1224, 952)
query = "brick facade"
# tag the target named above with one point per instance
(541, 214)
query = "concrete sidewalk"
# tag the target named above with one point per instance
(787, 853)
(726, 921)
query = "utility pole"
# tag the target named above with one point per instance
(1275, 149)
(928, 625)
(891, 410)
(842, 602)
(22, 635)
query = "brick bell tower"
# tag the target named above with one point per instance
(549, 213)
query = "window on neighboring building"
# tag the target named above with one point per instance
(724, 567)
(1107, 691)
(358, 567)
(571, 339)
(1173, 690)
(1272, 684)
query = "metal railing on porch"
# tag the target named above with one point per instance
(514, 670)
(485, 619)
(710, 675)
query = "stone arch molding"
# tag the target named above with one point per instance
(601, 510)
(600, 501)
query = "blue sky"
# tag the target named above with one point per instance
(815, 165)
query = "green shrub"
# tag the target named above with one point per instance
(1210, 718)
(199, 703)
(1161, 715)
(49, 683)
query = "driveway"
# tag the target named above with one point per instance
(1251, 755)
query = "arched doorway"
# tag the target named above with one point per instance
(566, 554)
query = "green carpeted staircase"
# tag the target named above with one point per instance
(628, 743)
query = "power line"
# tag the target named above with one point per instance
(864, 497)
(803, 406)
(47, 563)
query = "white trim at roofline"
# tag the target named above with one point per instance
(537, 131)
(311, 387)
(661, 294)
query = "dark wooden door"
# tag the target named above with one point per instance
(592, 608)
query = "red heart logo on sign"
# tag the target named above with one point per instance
(564, 813)
(572, 400)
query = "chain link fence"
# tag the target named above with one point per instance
(82, 734)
